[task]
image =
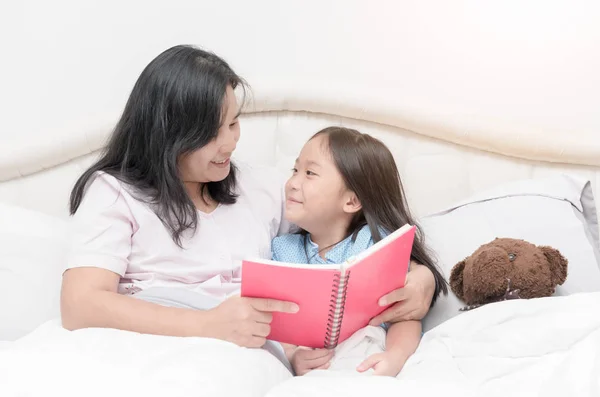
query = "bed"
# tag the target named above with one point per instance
(491, 111)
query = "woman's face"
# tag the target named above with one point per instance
(211, 163)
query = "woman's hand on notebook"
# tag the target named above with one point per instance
(411, 302)
(245, 321)
(304, 359)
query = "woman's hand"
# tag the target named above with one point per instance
(412, 301)
(243, 321)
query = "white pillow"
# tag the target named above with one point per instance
(32, 258)
(559, 212)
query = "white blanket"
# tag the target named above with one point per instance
(545, 347)
(110, 363)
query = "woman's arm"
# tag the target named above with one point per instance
(89, 298)
(413, 301)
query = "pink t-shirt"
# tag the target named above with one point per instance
(114, 231)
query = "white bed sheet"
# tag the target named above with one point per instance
(544, 347)
(110, 363)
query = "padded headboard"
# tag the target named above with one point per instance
(466, 93)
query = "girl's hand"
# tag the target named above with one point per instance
(305, 359)
(244, 321)
(412, 301)
(384, 364)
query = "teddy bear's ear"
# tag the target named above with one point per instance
(456, 279)
(558, 264)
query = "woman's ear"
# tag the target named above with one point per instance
(352, 203)
(456, 279)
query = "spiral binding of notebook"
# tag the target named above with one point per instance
(336, 309)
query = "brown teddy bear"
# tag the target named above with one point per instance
(507, 268)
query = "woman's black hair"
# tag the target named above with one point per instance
(175, 108)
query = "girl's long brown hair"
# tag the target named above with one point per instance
(369, 170)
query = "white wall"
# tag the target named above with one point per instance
(68, 66)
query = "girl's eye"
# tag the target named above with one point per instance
(294, 170)
(310, 173)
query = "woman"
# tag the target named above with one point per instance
(164, 207)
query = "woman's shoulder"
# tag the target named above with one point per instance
(102, 185)
(106, 194)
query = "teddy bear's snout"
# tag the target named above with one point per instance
(488, 273)
(490, 258)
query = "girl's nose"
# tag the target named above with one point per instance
(293, 183)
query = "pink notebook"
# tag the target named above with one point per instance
(335, 300)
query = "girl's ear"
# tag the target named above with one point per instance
(352, 204)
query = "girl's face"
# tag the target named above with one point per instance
(316, 195)
(211, 163)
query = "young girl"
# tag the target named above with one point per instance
(345, 194)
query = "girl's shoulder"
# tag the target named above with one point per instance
(288, 248)
(364, 237)
(288, 240)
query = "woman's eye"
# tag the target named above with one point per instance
(233, 124)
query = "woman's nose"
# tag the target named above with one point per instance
(236, 132)
(231, 140)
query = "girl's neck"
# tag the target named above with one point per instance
(329, 236)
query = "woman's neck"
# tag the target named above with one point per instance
(329, 236)
(203, 203)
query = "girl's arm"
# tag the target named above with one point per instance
(89, 298)
(304, 359)
(402, 341)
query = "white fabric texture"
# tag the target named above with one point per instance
(544, 211)
(354, 350)
(102, 362)
(66, 363)
(541, 347)
(114, 230)
(33, 248)
(507, 77)
(548, 347)
(435, 173)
